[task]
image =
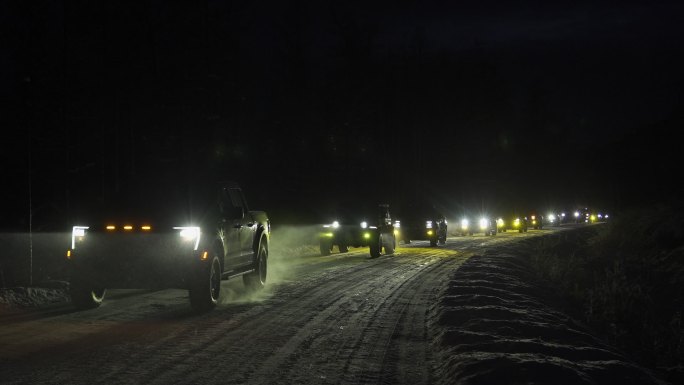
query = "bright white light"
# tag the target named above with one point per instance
(77, 231)
(189, 233)
(577, 214)
(428, 224)
(464, 224)
(483, 223)
(563, 215)
(364, 224)
(336, 224)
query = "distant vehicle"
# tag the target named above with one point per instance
(536, 221)
(193, 247)
(423, 223)
(515, 223)
(486, 225)
(465, 227)
(360, 227)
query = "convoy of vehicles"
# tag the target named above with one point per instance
(357, 226)
(219, 237)
(193, 247)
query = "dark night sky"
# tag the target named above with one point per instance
(525, 106)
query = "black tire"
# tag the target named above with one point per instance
(205, 288)
(343, 248)
(257, 280)
(374, 247)
(433, 242)
(85, 296)
(325, 247)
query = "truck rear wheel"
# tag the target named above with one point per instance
(326, 246)
(206, 286)
(343, 248)
(375, 246)
(257, 279)
(388, 242)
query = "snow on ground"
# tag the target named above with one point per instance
(32, 297)
(495, 324)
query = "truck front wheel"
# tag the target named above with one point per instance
(84, 295)
(206, 286)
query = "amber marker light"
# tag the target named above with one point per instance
(128, 227)
(146, 228)
(68, 254)
(111, 227)
(205, 255)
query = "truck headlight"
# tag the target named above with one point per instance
(499, 222)
(78, 235)
(364, 224)
(464, 224)
(189, 234)
(483, 224)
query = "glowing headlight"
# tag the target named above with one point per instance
(190, 233)
(516, 222)
(429, 232)
(366, 235)
(483, 224)
(499, 222)
(464, 224)
(397, 224)
(364, 224)
(428, 224)
(336, 224)
(77, 234)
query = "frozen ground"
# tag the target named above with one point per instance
(492, 323)
(495, 324)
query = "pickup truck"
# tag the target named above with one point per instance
(205, 239)
(422, 223)
(360, 226)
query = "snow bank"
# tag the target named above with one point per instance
(23, 297)
(495, 323)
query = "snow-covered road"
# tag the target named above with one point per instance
(469, 312)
